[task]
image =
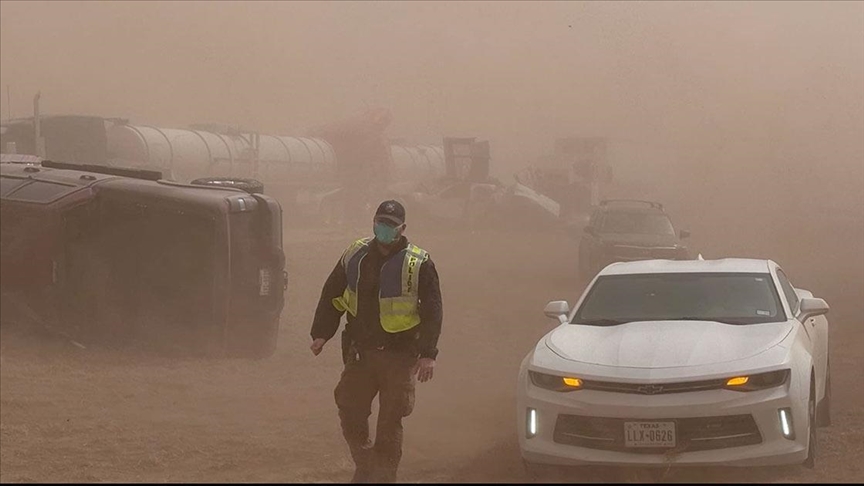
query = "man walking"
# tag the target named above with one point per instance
(389, 287)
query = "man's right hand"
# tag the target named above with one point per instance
(317, 346)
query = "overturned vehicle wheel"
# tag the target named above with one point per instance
(251, 186)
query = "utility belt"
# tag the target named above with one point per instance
(353, 352)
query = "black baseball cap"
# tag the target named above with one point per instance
(392, 211)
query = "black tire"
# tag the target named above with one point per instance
(823, 410)
(810, 461)
(251, 186)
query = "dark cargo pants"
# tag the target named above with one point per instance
(367, 374)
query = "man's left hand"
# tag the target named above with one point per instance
(424, 369)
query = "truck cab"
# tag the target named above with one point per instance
(123, 255)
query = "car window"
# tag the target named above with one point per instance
(40, 191)
(791, 296)
(637, 223)
(734, 298)
(7, 184)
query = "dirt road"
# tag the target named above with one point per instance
(68, 414)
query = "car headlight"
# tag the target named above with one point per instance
(555, 382)
(759, 381)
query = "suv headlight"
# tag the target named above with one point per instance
(759, 381)
(555, 382)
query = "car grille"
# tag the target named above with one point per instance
(652, 388)
(692, 434)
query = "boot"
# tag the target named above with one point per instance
(362, 474)
(363, 467)
(385, 465)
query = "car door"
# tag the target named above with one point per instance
(816, 328)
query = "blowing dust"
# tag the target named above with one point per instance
(745, 119)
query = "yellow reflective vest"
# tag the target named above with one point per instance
(398, 298)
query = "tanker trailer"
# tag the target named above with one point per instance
(413, 164)
(300, 171)
(291, 168)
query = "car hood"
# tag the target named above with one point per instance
(664, 344)
(639, 239)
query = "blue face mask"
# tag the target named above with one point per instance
(385, 234)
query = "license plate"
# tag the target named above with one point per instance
(649, 434)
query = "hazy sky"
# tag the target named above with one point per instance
(787, 77)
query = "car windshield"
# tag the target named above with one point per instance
(637, 223)
(7, 184)
(733, 298)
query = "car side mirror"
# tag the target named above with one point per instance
(557, 309)
(684, 234)
(803, 294)
(812, 307)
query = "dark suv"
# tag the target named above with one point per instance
(97, 252)
(622, 230)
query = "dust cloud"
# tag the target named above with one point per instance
(718, 81)
(747, 119)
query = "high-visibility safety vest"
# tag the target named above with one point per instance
(397, 295)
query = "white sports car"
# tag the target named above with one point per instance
(719, 362)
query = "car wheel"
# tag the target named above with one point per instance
(823, 411)
(810, 461)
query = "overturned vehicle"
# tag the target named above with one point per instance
(121, 256)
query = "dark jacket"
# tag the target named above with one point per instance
(365, 330)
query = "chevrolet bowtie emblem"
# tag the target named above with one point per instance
(650, 389)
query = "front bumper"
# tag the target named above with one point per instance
(553, 409)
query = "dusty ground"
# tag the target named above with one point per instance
(99, 414)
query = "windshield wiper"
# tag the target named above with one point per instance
(603, 322)
(697, 318)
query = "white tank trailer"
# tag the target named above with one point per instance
(416, 163)
(303, 171)
(186, 154)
